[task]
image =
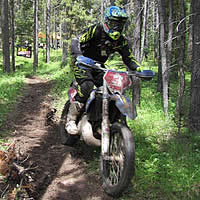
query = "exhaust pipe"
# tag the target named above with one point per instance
(87, 133)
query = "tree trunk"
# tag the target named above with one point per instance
(55, 37)
(194, 115)
(159, 79)
(13, 34)
(137, 21)
(137, 14)
(48, 31)
(182, 29)
(35, 62)
(65, 45)
(104, 4)
(5, 36)
(1, 23)
(144, 29)
(189, 47)
(165, 77)
(155, 27)
(170, 32)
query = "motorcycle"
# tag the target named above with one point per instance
(103, 123)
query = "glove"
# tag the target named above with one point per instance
(139, 69)
(84, 61)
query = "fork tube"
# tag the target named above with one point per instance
(105, 122)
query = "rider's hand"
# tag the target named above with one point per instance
(139, 69)
(78, 56)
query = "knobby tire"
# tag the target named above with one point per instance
(111, 186)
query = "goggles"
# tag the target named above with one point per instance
(115, 25)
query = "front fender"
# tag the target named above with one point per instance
(124, 105)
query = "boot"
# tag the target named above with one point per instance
(74, 110)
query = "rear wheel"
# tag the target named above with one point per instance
(118, 168)
(66, 138)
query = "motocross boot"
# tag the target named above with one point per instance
(74, 110)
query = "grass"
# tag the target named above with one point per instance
(9, 90)
(167, 163)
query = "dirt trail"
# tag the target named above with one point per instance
(61, 172)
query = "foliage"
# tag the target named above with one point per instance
(78, 14)
(9, 89)
(24, 21)
(167, 164)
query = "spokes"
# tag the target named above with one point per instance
(116, 160)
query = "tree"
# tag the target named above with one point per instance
(181, 32)
(65, 44)
(5, 36)
(194, 115)
(134, 35)
(0, 22)
(35, 62)
(24, 21)
(48, 31)
(13, 33)
(144, 29)
(170, 32)
(163, 51)
(136, 18)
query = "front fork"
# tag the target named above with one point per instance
(105, 137)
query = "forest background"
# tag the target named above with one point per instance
(164, 36)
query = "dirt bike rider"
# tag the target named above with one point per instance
(98, 42)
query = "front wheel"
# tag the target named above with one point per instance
(66, 138)
(118, 168)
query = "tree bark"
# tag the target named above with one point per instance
(48, 31)
(181, 32)
(136, 7)
(0, 22)
(137, 21)
(170, 31)
(13, 33)
(189, 47)
(194, 115)
(65, 45)
(35, 61)
(165, 77)
(144, 29)
(5, 36)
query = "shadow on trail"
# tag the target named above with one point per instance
(60, 171)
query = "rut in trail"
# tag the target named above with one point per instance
(60, 172)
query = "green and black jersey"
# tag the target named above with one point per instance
(96, 44)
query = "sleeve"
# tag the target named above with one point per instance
(127, 56)
(75, 48)
(81, 42)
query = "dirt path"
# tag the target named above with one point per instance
(61, 172)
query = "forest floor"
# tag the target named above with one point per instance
(55, 171)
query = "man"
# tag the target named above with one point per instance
(98, 42)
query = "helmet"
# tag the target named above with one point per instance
(114, 20)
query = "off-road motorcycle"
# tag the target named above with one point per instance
(103, 123)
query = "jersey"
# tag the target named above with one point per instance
(97, 45)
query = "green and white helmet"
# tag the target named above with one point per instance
(114, 21)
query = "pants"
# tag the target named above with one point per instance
(86, 80)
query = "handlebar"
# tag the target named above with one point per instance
(85, 62)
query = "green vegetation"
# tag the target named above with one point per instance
(167, 163)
